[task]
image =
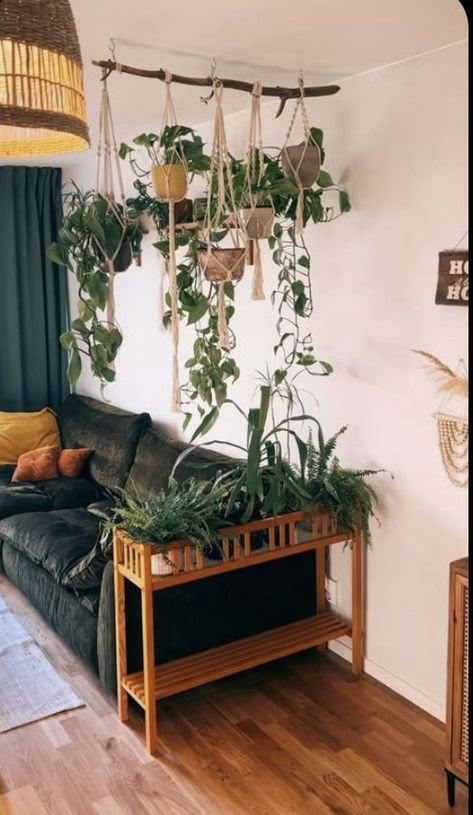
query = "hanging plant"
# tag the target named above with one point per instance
(99, 237)
(91, 232)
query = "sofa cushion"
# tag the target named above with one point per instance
(155, 458)
(22, 432)
(86, 573)
(110, 432)
(73, 618)
(42, 496)
(52, 540)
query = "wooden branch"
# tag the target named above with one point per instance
(284, 94)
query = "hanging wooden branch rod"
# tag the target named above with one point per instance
(284, 94)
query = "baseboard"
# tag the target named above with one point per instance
(413, 694)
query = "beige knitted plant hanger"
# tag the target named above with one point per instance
(109, 174)
(299, 106)
(170, 120)
(254, 172)
(220, 168)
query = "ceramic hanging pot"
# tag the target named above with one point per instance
(258, 222)
(169, 181)
(219, 265)
(301, 163)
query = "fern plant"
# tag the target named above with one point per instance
(190, 510)
(345, 493)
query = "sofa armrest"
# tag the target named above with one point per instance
(106, 632)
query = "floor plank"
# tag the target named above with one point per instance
(298, 737)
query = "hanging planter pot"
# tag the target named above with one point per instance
(169, 181)
(124, 257)
(301, 163)
(220, 265)
(258, 222)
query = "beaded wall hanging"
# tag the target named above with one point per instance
(452, 430)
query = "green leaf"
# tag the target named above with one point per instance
(67, 340)
(304, 261)
(75, 366)
(55, 254)
(324, 179)
(206, 424)
(277, 230)
(80, 327)
(344, 200)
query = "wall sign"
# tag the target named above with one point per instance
(452, 286)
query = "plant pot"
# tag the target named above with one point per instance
(160, 565)
(301, 164)
(258, 222)
(183, 211)
(169, 181)
(123, 259)
(199, 209)
(219, 265)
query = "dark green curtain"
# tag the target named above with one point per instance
(33, 292)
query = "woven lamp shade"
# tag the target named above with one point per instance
(42, 102)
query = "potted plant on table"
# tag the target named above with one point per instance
(190, 511)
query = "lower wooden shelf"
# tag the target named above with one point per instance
(216, 663)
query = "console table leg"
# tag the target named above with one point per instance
(151, 723)
(357, 606)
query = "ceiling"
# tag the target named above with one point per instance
(250, 39)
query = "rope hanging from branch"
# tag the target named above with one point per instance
(170, 183)
(258, 222)
(222, 265)
(295, 158)
(108, 175)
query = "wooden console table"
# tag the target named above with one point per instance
(286, 535)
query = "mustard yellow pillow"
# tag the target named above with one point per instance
(22, 432)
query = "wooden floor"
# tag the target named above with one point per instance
(298, 737)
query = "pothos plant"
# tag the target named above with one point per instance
(210, 368)
(94, 233)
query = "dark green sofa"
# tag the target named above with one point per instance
(45, 528)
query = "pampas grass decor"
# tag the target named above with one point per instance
(449, 382)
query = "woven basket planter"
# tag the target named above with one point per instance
(219, 265)
(301, 164)
(160, 565)
(258, 222)
(169, 181)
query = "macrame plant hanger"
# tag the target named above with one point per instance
(221, 212)
(109, 173)
(170, 185)
(253, 177)
(453, 436)
(296, 165)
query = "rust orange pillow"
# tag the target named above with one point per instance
(37, 465)
(71, 463)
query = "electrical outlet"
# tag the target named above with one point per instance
(331, 588)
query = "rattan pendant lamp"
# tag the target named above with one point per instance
(42, 103)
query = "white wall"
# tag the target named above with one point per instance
(397, 138)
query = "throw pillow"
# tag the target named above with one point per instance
(22, 432)
(37, 465)
(72, 463)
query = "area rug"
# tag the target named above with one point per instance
(30, 688)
